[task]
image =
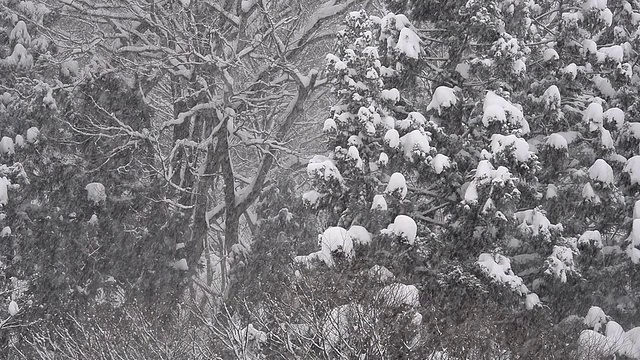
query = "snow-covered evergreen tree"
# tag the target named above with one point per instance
(568, 69)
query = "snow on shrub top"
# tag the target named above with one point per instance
(4, 196)
(550, 54)
(557, 141)
(409, 43)
(498, 268)
(634, 237)
(594, 115)
(536, 221)
(359, 235)
(633, 169)
(595, 317)
(7, 146)
(551, 96)
(32, 135)
(96, 192)
(19, 34)
(392, 137)
(520, 146)
(498, 109)
(591, 237)
(404, 227)
(379, 203)
(323, 167)
(333, 239)
(601, 171)
(311, 197)
(440, 162)
(397, 183)
(414, 141)
(615, 115)
(329, 125)
(560, 263)
(443, 97)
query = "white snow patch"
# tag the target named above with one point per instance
(392, 138)
(471, 193)
(463, 69)
(499, 143)
(591, 237)
(32, 135)
(323, 167)
(439, 163)
(614, 115)
(634, 237)
(13, 308)
(311, 197)
(607, 16)
(19, 34)
(404, 227)
(589, 194)
(604, 86)
(593, 115)
(443, 97)
(606, 139)
(633, 169)
(96, 192)
(531, 301)
(409, 43)
(636, 210)
(329, 125)
(7, 146)
(549, 55)
(414, 141)
(354, 140)
(560, 263)
(359, 235)
(536, 222)
(181, 265)
(379, 203)
(589, 47)
(19, 140)
(551, 97)
(519, 67)
(397, 183)
(498, 268)
(20, 57)
(601, 171)
(335, 239)
(383, 159)
(595, 344)
(557, 141)
(572, 70)
(416, 118)
(390, 95)
(496, 108)
(4, 196)
(615, 52)
(595, 318)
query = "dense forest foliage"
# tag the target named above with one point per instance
(319, 179)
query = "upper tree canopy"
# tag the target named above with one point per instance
(518, 168)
